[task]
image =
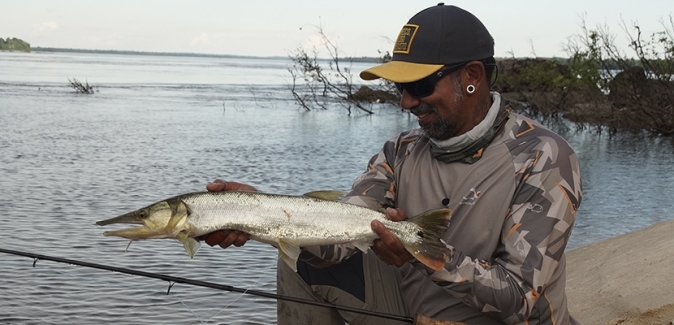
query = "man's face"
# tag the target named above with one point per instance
(440, 114)
(432, 123)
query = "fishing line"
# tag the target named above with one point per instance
(188, 308)
(212, 285)
(241, 295)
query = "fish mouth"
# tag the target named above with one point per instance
(159, 220)
(127, 218)
(129, 233)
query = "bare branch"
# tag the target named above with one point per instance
(81, 88)
(326, 86)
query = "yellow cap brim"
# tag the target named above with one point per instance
(399, 71)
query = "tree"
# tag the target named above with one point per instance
(323, 87)
(640, 89)
(14, 44)
(599, 85)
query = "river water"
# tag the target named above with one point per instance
(159, 126)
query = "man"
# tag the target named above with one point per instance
(514, 188)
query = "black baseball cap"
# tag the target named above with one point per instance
(435, 37)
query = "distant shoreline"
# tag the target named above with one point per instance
(182, 54)
(71, 50)
(362, 59)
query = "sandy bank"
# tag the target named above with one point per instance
(624, 280)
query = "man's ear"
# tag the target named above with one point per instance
(474, 74)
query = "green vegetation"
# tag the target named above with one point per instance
(14, 44)
(599, 86)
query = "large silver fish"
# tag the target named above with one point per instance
(287, 222)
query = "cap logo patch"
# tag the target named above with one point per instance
(405, 39)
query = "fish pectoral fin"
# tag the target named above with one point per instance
(362, 246)
(289, 252)
(191, 245)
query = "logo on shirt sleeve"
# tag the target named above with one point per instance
(472, 197)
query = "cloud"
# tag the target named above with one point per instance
(203, 39)
(47, 26)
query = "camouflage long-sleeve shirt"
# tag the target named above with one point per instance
(513, 211)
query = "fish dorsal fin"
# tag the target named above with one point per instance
(327, 195)
(191, 245)
(290, 252)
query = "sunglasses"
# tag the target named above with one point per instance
(425, 87)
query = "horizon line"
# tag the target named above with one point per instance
(192, 54)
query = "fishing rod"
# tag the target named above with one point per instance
(173, 280)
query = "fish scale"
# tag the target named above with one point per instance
(285, 221)
(278, 216)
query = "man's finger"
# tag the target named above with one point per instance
(396, 214)
(242, 239)
(216, 186)
(384, 234)
(230, 238)
(219, 185)
(388, 247)
(381, 251)
(215, 237)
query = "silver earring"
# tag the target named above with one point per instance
(470, 89)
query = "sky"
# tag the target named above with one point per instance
(520, 28)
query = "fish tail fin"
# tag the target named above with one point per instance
(429, 248)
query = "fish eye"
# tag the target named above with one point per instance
(142, 214)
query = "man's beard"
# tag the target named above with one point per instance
(440, 128)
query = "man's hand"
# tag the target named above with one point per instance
(219, 185)
(388, 247)
(227, 237)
